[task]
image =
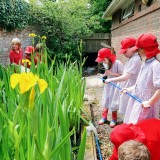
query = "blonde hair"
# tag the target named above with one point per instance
(39, 47)
(133, 150)
(16, 41)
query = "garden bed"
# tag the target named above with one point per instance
(40, 112)
(93, 96)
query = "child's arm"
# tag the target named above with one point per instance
(11, 57)
(152, 100)
(123, 77)
(103, 75)
(108, 72)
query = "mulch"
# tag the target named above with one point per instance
(93, 102)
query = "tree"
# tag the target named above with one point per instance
(64, 23)
(97, 9)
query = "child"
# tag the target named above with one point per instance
(146, 132)
(130, 72)
(29, 52)
(39, 52)
(16, 53)
(147, 87)
(133, 150)
(113, 69)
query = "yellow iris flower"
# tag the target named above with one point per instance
(26, 61)
(32, 35)
(44, 37)
(31, 98)
(26, 81)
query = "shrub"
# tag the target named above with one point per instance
(64, 24)
(14, 14)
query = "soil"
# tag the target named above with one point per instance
(93, 96)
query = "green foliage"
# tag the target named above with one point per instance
(46, 131)
(96, 11)
(64, 24)
(14, 14)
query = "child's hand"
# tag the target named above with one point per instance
(108, 72)
(100, 75)
(146, 104)
(124, 90)
(107, 81)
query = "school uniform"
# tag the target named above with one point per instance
(148, 82)
(109, 90)
(132, 67)
(16, 57)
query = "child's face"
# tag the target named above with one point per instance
(28, 55)
(141, 53)
(15, 46)
(128, 53)
(106, 61)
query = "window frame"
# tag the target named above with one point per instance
(128, 11)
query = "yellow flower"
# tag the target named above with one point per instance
(31, 98)
(26, 61)
(44, 37)
(42, 85)
(14, 80)
(32, 35)
(26, 81)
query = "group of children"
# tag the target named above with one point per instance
(16, 53)
(140, 76)
(141, 79)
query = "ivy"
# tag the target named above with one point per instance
(15, 14)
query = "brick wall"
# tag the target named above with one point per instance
(5, 39)
(145, 21)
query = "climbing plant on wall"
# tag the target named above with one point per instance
(14, 14)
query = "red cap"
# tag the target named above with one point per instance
(126, 132)
(149, 43)
(127, 43)
(105, 53)
(29, 50)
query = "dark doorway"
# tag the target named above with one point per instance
(90, 61)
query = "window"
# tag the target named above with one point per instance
(139, 8)
(129, 11)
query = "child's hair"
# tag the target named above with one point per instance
(16, 41)
(39, 47)
(110, 64)
(133, 150)
(113, 50)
